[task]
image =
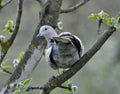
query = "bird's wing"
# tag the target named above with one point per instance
(50, 59)
(63, 40)
(74, 41)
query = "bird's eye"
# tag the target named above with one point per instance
(45, 28)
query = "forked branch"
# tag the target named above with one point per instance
(5, 4)
(74, 7)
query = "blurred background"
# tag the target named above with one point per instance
(101, 75)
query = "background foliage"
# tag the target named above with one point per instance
(101, 75)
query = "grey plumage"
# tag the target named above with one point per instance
(63, 50)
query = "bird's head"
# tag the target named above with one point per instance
(47, 31)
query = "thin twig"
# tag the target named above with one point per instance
(74, 7)
(99, 25)
(6, 3)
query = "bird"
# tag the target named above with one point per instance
(63, 50)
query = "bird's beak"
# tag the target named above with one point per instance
(38, 35)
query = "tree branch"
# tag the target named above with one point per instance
(57, 81)
(6, 3)
(9, 42)
(74, 7)
(40, 88)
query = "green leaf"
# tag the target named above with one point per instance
(67, 90)
(5, 30)
(109, 21)
(26, 82)
(117, 26)
(69, 83)
(9, 24)
(21, 55)
(7, 67)
(9, 27)
(4, 66)
(1, 2)
(94, 16)
(16, 91)
(4, 62)
(117, 22)
(61, 71)
(117, 18)
(106, 19)
(103, 14)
